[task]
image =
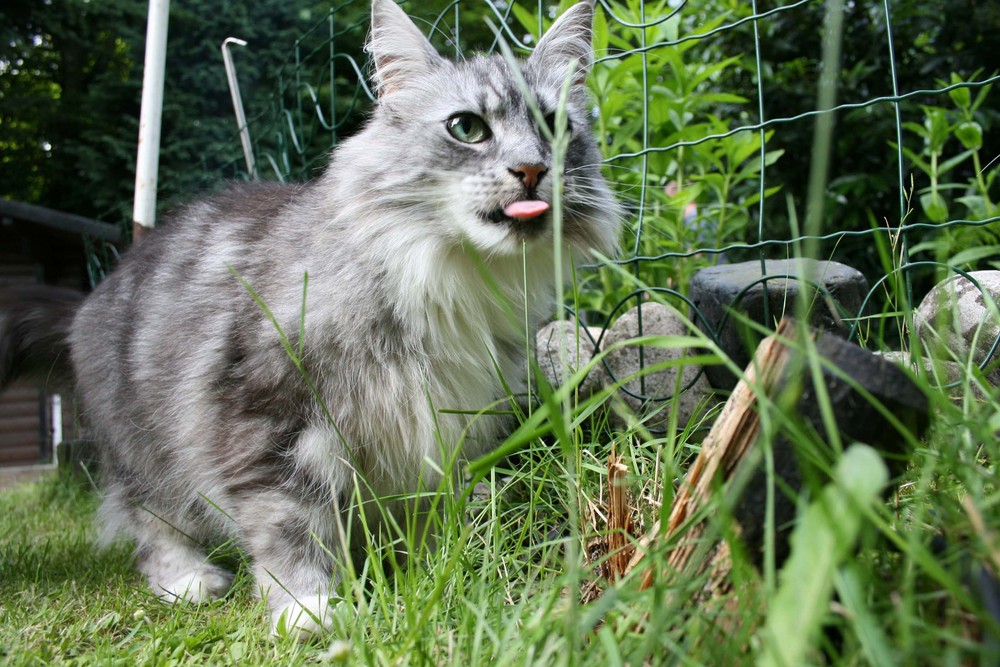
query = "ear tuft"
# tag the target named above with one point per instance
(568, 43)
(399, 51)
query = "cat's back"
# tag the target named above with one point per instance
(175, 291)
(194, 245)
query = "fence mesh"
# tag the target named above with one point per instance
(732, 131)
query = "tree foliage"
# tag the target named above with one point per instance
(930, 40)
(71, 71)
(70, 86)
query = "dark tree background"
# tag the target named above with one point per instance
(70, 86)
(931, 40)
(71, 71)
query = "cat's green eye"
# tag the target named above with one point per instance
(468, 128)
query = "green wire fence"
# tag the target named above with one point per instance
(732, 131)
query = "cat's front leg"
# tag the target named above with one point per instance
(178, 571)
(175, 565)
(292, 543)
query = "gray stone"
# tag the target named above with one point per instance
(957, 321)
(647, 391)
(565, 337)
(937, 372)
(717, 289)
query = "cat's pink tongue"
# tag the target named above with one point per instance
(526, 210)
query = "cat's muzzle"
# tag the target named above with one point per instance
(524, 227)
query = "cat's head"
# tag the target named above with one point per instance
(467, 144)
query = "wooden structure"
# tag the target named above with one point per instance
(41, 246)
(778, 400)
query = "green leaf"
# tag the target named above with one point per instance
(970, 133)
(934, 207)
(925, 246)
(743, 146)
(865, 624)
(974, 255)
(979, 207)
(917, 129)
(619, 41)
(755, 197)
(600, 34)
(823, 539)
(707, 71)
(936, 122)
(670, 29)
(915, 159)
(527, 19)
(237, 651)
(951, 163)
(960, 96)
(722, 98)
(981, 96)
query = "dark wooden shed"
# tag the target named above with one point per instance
(42, 246)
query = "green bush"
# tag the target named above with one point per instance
(952, 144)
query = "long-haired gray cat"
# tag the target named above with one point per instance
(427, 230)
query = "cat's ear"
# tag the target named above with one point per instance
(399, 50)
(568, 43)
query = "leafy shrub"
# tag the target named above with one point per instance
(952, 141)
(662, 119)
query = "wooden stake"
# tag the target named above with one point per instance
(619, 520)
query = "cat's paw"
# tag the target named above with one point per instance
(305, 618)
(201, 585)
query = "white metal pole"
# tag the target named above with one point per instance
(55, 408)
(241, 117)
(148, 157)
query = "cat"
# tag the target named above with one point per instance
(393, 279)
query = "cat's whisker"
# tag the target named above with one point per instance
(602, 165)
(598, 179)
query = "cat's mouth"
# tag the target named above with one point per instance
(528, 217)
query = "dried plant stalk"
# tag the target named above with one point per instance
(619, 519)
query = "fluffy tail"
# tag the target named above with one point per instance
(34, 333)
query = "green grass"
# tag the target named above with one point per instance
(514, 576)
(510, 583)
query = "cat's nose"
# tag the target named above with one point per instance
(529, 174)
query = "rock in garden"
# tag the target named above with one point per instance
(938, 372)
(957, 321)
(682, 387)
(565, 337)
(717, 290)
